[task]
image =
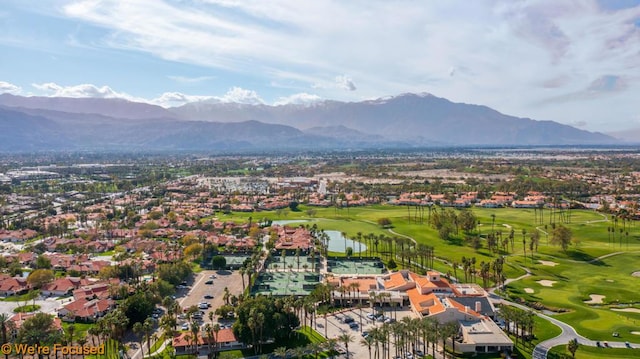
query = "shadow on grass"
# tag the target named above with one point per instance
(585, 257)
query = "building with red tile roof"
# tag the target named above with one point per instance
(183, 343)
(85, 310)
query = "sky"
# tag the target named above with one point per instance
(576, 62)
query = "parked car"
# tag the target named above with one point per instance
(353, 325)
(209, 282)
(208, 296)
(185, 326)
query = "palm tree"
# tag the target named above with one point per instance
(242, 270)
(216, 329)
(297, 351)
(346, 338)
(367, 342)
(280, 352)
(139, 331)
(195, 328)
(147, 327)
(5, 326)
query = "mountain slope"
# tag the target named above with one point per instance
(112, 107)
(407, 120)
(20, 132)
(418, 119)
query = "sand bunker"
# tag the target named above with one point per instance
(529, 290)
(636, 274)
(595, 299)
(630, 310)
(546, 283)
(635, 333)
(610, 280)
(548, 263)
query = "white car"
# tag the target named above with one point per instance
(185, 326)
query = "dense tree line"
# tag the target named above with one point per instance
(262, 318)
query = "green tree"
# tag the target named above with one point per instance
(218, 262)
(349, 252)
(561, 236)
(194, 250)
(384, 222)
(43, 262)
(38, 330)
(572, 347)
(40, 277)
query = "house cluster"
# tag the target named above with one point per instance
(432, 296)
(17, 236)
(90, 299)
(468, 199)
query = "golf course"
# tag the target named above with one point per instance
(592, 284)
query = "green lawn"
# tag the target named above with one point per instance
(585, 352)
(80, 329)
(543, 330)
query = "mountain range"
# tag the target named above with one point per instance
(404, 121)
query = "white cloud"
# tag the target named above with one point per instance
(167, 99)
(174, 99)
(6, 87)
(345, 82)
(240, 95)
(234, 95)
(190, 80)
(298, 99)
(83, 90)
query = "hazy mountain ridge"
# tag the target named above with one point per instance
(406, 120)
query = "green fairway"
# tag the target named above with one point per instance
(573, 285)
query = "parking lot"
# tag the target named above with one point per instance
(336, 326)
(195, 293)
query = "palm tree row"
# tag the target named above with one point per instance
(407, 336)
(519, 323)
(411, 254)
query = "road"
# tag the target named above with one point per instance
(48, 305)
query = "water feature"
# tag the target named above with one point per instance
(338, 243)
(284, 222)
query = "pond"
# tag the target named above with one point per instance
(338, 243)
(285, 222)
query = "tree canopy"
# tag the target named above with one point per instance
(263, 318)
(561, 236)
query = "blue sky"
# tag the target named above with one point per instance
(572, 61)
